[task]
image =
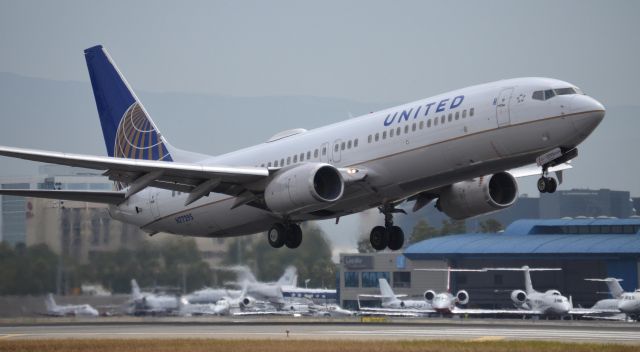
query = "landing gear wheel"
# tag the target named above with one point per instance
(277, 235)
(551, 185)
(293, 237)
(542, 184)
(396, 238)
(379, 238)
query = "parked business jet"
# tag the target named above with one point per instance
(626, 302)
(456, 147)
(79, 310)
(143, 303)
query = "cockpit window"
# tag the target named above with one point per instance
(565, 91)
(548, 94)
(538, 95)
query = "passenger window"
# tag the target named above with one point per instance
(384, 134)
(464, 113)
(538, 95)
(308, 155)
(295, 158)
(457, 115)
(275, 163)
(369, 138)
(336, 147)
(315, 153)
(442, 119)
(349, 145)
(261, 165)
(269, 164)
(391, 133)
(288, 160)
(355, 143)
(471, 112)
(282, 162)
(429, 123)
(301, 157)
(450, 117)
(377, 137)
(406, 129)
(435, 121)
(421, 124)
(324, 150)
(342, 146)
(413, 127)
(398, 131)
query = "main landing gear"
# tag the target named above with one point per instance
(387, 236)
(547, 184)
(289, 235)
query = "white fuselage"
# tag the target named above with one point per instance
(549, 303)
(629, 303)
(408, 149)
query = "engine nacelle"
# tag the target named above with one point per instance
(302, 186)
(519, 296)
(479, 196)
(247, 302)
(463, 297)
(429, 295)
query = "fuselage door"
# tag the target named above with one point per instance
(502, 107)
(153, 203)
(325, 152)
(336, 151)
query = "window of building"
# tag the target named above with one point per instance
(370, 278)
(351, 279)
(471, 112)
(402, 279)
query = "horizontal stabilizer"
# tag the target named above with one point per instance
(105, 197)
(533, 170)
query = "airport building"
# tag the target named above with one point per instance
(581, 247)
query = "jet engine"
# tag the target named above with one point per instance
(478, 196)
(518, 296)
(429, 295)
(463, 297)
(305, 185)
(247, 302)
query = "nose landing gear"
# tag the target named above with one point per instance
(387, 236)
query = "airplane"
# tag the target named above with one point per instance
(463, 148)
(209, 295)
(80, 310)
(143, 303)
(626, 302)
(390, 300)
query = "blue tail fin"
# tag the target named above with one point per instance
(127, 128)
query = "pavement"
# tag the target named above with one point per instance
(476, 330)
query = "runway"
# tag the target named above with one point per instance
(478, 331)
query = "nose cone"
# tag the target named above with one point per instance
(584, 103)
(628, 306)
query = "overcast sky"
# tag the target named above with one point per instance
(391, 51)
(367, 51)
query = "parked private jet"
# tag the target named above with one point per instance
(626, 302)
(457, 147)
(79, 310)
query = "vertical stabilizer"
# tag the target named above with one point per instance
(135, 289)
(614, 287)
(385, 291)
(527, 280)
(127, 128)
(50, 303)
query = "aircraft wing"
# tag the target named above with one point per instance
(395, 312)
(182, 177)
(533, 170)
(107, 197)
(473, 311)
(585, 311)
(381, 296)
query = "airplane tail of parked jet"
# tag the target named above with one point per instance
(527, 275)
(613, 284)
(386, 293)
(135, 289)
(50, 303)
